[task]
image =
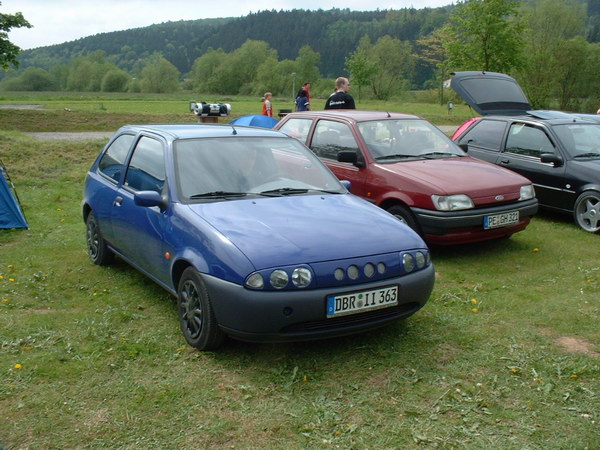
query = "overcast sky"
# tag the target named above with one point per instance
(58, 21)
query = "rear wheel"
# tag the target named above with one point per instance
(98, 251)
(196, 316)
(587, 211)
(403, 214)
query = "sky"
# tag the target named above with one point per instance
(58, 21)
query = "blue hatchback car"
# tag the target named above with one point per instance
(255, 237)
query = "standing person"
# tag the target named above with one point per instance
(302, 103)
(340, 99)
(267, 109)
(306, 89)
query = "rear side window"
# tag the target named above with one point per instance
(113, 160)
(486, 134)
(527, 140)
(297, 128)
(146, 170)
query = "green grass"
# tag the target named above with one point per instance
(506, 354)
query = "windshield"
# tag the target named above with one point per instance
(579, 139)
(400, 139)
(233, 167)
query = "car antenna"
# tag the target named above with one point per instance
(388, 113)
(234, 130)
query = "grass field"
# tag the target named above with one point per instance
(505, 355)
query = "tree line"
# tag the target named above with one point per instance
(546, 44)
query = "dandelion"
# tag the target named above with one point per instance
(474, 300)
(4, 300)
(1, 277)
(10, 267)
(12, 280)
(574, 376)
(304, 378)
(536, 250)
(18, 366)
(94, 294)
(514, 370)
(474, 310)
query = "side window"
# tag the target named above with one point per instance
(332, 137)
(528, 140)
(297, 128)
(485, 134)
(146, 171)
(113, 160)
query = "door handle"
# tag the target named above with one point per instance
(118, 201)
(505, 161)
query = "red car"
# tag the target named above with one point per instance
(410, 168)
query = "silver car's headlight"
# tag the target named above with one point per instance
(527, 192)
(452, 202)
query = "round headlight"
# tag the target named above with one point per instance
(408, 261)
(279, 279)
(420, 257)
(353, 272)
(339, 274)
(381, 268)
(369, 270)
(255, 281)
(301, 277)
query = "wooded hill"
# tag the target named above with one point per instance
(333, 33)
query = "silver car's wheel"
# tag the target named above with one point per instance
(587, 211)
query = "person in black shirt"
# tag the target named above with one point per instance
(340, 99)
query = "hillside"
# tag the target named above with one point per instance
(333, 33)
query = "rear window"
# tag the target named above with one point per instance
(486, 134)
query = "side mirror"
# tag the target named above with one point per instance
(347, 184)
(350, 156)
(148, 199)
(551, 158)
(464, 147)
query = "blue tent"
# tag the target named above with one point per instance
(11, 215)
(255, 120)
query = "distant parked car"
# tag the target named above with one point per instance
(408, 167)
(559, 152)
(253, 234)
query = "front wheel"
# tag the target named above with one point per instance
(403, 214)
(196, 316)
(587, 211)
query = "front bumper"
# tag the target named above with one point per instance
(459, 227)
(300, 315)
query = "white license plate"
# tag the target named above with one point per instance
(357, 302)
(500, 220)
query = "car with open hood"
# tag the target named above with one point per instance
(256, 238)
(559, 152)
(410, 168)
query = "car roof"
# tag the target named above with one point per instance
(198, 130)
(356, 115)
(550, 117)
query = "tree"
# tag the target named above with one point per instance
(8, 50)
(360, 66)
(484, 35)
(395, 64)
(551, 25)
(307, 65)
(431, 52)
(159, 75)
(115, 80)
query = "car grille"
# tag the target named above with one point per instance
(380, 315)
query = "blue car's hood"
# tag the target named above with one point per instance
(308, 228)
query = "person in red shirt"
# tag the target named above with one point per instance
(267, 109)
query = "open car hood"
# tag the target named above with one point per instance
(490, 93)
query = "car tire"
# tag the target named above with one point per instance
(404, 215)
(587, 211)
(196, 316)
(98, 251)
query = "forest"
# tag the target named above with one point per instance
(269, 50)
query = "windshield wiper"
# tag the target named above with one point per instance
(586, 155)
(219, 194)
(396, 156)
(433, 155)
(285, 191)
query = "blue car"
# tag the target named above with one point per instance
(255, 237)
